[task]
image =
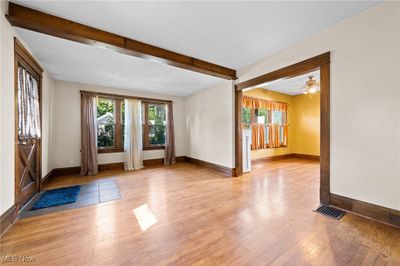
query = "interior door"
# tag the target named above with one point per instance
(27, 77)
(27, 175)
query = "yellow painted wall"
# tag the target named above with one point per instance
(306, 129)
(303, 119)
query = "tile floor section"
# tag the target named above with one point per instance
(92, 193)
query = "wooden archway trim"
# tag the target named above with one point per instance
(321, 62)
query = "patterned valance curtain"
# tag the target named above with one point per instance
(28, 106)
(256, 103)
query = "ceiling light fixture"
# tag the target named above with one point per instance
(312, 86)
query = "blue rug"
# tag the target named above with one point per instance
(57, 197)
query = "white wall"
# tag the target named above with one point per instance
(7, 113)
(66, 129)
(365, 101)
(210, 125)
(48, 85)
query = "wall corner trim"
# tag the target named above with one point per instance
(219, 168)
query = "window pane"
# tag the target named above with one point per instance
(156, 114)
(246, 115)
(105, 135)
(277, 117)
(105, 123)
(157, 135)
(262, 116)
(105, 110)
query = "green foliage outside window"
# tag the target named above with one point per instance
(157, 123)
(105, 136)
(246, 116)
(104, 106)
(264, 113)
(105, 123)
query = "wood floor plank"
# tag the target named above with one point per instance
(205, 218)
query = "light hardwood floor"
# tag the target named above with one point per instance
(206, 218)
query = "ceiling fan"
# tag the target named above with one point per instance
(311, 86)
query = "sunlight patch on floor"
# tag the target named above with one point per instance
(145, 217)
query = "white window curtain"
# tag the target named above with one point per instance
(28, 106)
(133, 146)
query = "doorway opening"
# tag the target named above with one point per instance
(271, 122)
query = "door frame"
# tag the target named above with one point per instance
(321, 62)
(24, 58)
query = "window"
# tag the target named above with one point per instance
(279, 118)
(258, 117)
(249, 116)
(262, 117)
(154, 125)
(246, 117)
(110, 125)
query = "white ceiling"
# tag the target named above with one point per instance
(72, 61)
(229, 33)
(291, 86)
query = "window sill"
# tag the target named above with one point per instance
(276, 147)
(158, 147)
(109, 150)
(99, 151)
(268, 148)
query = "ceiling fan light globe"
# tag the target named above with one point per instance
(312, 90)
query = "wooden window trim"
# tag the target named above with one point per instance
(146, 144)
(118, 129)
(110, 150)
(272, 148)
(153, 147)
(122, 98)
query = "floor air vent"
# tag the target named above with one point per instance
(330, 212)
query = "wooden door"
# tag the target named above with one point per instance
(27, 180)
(27, 145)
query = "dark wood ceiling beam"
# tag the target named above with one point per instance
(34, 20)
